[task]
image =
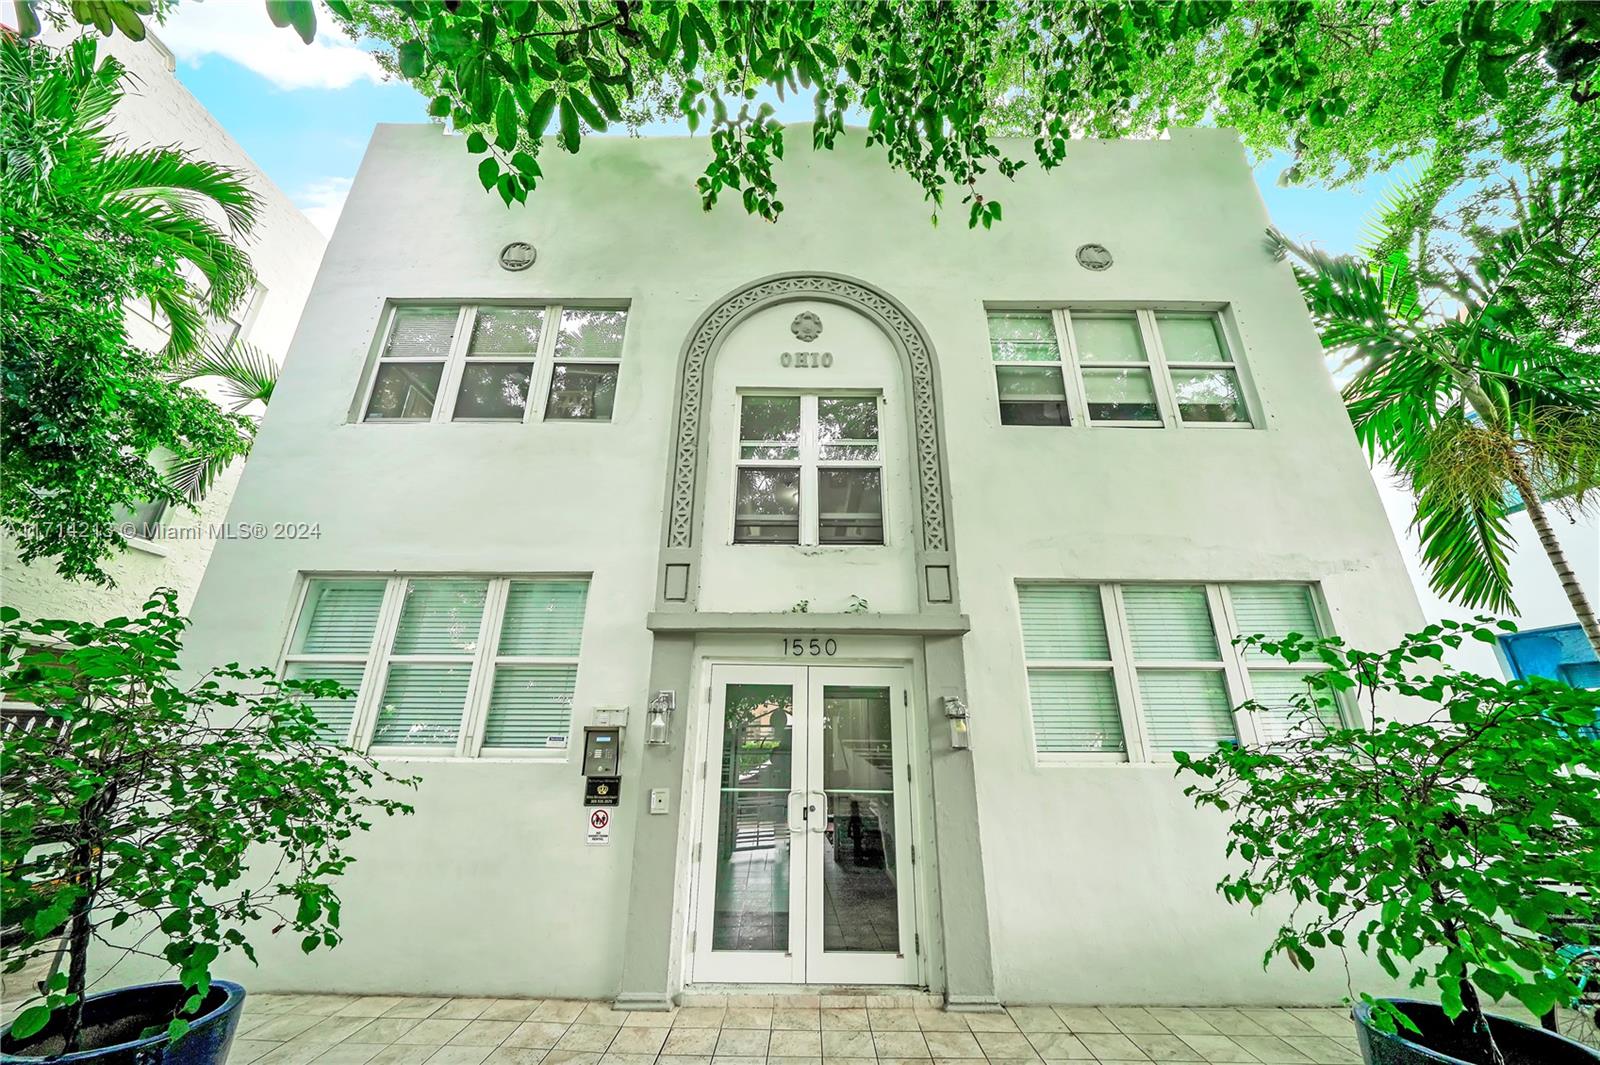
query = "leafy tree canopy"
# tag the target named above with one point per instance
(89, 227)
(1456, 846)
(1346, 85)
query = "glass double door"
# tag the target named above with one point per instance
(805, 851)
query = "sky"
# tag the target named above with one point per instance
(305, 114)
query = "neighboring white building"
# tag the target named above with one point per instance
(811, 480)
(1550, 642)
(284, 248)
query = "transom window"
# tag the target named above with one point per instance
(494, 363)
(1128, 368)
(1133, 672)
(443, 665)
(809, 470)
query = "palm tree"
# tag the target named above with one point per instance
(91, 225)
(247, 375)
(59, 155)
(1471, 377)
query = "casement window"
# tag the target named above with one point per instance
(1115, 368)
(1133, 672)
(494, 363)
(458, 666)
(809, 470)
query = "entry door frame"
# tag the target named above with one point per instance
(805, 961)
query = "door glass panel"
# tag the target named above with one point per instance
(860, 894)
(753, 840)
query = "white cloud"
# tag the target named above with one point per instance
(321, 202)
(240, 30)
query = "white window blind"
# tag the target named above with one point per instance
(459, 666)
(1071, 690)
(333, 640)
(1135, 672)
(536, 665)
(1277, 611)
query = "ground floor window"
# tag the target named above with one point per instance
(1134, 672)
(443, 665)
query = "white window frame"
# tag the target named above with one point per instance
(1156, 364)
(809, 464)
(456, 361)
(1125, 668)
(482, 662)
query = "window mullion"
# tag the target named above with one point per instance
(1161, 377)
(1071, 371)
(1235, 673)
(444, 405)
(544, 362)
(481, 685)
(376, 675)
(1120, 641)
(809, 518)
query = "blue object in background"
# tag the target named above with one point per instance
(1558, 653)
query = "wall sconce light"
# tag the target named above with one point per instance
(955, 709)
(659, 715)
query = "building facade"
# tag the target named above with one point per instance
(903, 556)
(170, 547)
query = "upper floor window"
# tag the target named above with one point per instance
(1133, 672)
(497, 363)
(1129, 368)
(809, 470)
(442, 665)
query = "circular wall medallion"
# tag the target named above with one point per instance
(807, 326)
(1094, 257)
(518, 255)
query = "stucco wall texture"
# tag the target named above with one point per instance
(284, 248)
(1099, 878)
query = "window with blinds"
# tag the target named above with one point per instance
(1071, 688)
(1134, 672)
(443, 665)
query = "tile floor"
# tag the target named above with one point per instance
(770, 1030)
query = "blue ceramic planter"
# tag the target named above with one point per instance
(1441, 1042)
(113, 1021)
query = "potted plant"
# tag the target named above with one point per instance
(1459, 850)
(139, 810)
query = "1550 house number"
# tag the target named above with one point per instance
(810, 647)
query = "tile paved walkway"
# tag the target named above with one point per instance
(770, 1030)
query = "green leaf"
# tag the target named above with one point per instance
(539, 115)
(439, 107)
(488, 172)
(29, 1022)
(412, 59)
(301, 14)
(1452, 72)
(588, 111)
(477, 143)
(177, 1028)
(505, 121)
(570, 136)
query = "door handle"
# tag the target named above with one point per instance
(788, 812)
(819, 823)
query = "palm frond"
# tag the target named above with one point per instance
(192, 476)
(248, 374)
(1457, 470)
(171, 175)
